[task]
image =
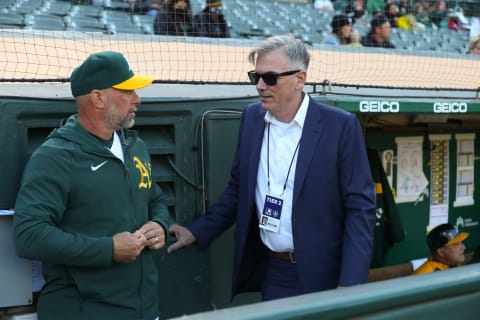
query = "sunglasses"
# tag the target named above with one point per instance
(216, 10)
(450, 234)
(270, 78)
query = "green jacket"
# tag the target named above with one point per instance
(375, 5)
(388, 226)
(75, 195)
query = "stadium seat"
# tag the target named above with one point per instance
(402, 44)
(11, 20)
(197, 5)
(122, 22)
(7, 5)
(87, 11)
(86, 24)
(27, 7)
(59, 8)
(119, 5)
(143, 22)
(48, 22)
(312, 38)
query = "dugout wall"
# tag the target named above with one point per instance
(192, 141)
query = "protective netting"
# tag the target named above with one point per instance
(42, 41)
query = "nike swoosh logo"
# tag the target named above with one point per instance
(95, 168)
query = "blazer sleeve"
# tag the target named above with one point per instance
(359, 202)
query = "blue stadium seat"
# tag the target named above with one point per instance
(121, 22)
(11, 20)
(6, 5)
(143, 22)
(59, 8)
(85, 24)
(48, 22)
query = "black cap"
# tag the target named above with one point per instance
(339, 21)
(444, 234)
(378, 21)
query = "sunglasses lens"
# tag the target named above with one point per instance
(269, 78)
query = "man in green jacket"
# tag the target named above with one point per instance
(87, 206)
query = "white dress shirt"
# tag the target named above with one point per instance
(284, 138)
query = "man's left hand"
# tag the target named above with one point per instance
(154, 234)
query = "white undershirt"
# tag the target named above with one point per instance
(116, 148)
(284, 138)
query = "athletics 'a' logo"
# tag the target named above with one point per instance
(145, 173)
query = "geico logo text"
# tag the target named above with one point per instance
(450, 107)
(379, 106)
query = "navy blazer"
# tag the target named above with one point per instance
(333, 211)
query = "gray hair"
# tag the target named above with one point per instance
(296, 51)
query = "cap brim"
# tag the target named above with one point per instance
(461, 236)
(214, 4)
(138, 81)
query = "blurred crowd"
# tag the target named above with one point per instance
(407, 14)
(383, 15)
(175, 17)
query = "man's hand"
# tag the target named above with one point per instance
(154, 233)
(127, 246)
(183, 235)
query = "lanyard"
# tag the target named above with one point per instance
(268, 161)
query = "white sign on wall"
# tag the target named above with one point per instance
(411, 181)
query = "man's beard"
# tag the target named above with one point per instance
(117, 123)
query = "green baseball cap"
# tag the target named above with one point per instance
(108, 69)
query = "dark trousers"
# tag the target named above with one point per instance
(280, 280)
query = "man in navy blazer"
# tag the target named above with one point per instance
(300, 193)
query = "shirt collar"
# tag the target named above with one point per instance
(299, 116)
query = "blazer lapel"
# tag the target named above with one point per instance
(312, 130)
(258, 128)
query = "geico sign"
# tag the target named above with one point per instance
(450, 107)
(379, 106)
